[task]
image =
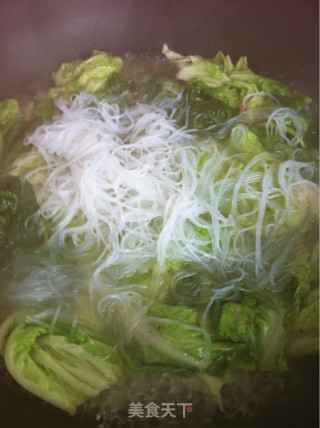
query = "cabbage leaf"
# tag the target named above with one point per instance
(62, 368)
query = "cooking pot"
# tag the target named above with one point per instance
(280, 39)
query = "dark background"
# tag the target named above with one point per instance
(280, 38)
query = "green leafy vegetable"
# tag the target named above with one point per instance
(231, 84)
(260, 328)
(92, 75)
(63, 370)
(17, 204)
(9, 123)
